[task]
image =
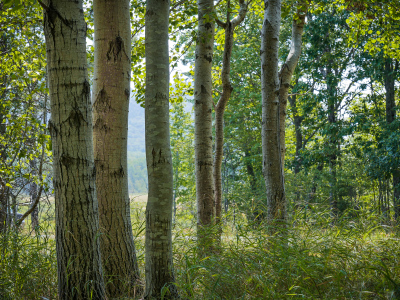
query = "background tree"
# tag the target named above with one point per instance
(219, 107)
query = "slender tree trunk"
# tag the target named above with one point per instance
(272, 162)
(159, 265)
(389, 77)
(111, 95)
(287, 71)
(4, 46)
(227, 88)
(33, 195)
(77, 228)
(3, 187)
(332, 156)
(203, 104)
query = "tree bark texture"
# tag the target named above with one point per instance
(287, 70)
(389, 80)
(159, 264)
(229, 27)
(111, 94)
(203, 104)
(77, 228)
(272, 162)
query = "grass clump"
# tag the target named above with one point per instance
(28, 267)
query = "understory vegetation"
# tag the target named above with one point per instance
(357, 259)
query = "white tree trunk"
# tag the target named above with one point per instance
(272, 162)
(203, 120)
(159, 265)
(287, 70)
(111, 95)
(77, 227)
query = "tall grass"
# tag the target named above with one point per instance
(350, 259)
(28, 267)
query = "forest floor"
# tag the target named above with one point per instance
(353, 259)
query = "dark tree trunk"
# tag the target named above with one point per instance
(390, 69)
(33, 195)
(229, 27)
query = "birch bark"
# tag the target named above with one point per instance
(287, 71)
(111, 94)
(159, 265)
(203, 121)
(270, 85)
(77, 228)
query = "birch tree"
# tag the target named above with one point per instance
(203, 118)
(77, 229)
(275, 90)
(287, 70)
(272, 162)
(159, 264)
(111, 94)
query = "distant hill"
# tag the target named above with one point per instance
(136, 129)
(137, 172)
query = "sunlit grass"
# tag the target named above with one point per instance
(350, 259)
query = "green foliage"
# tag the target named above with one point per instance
(183, 15)
(375, 22)
(23, 92)
(182, 149)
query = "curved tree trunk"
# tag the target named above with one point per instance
(229, 27)
(159, 264)
(287, 70)
(77, 228)
(111, 94)
(272, 162)
(203, 122)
